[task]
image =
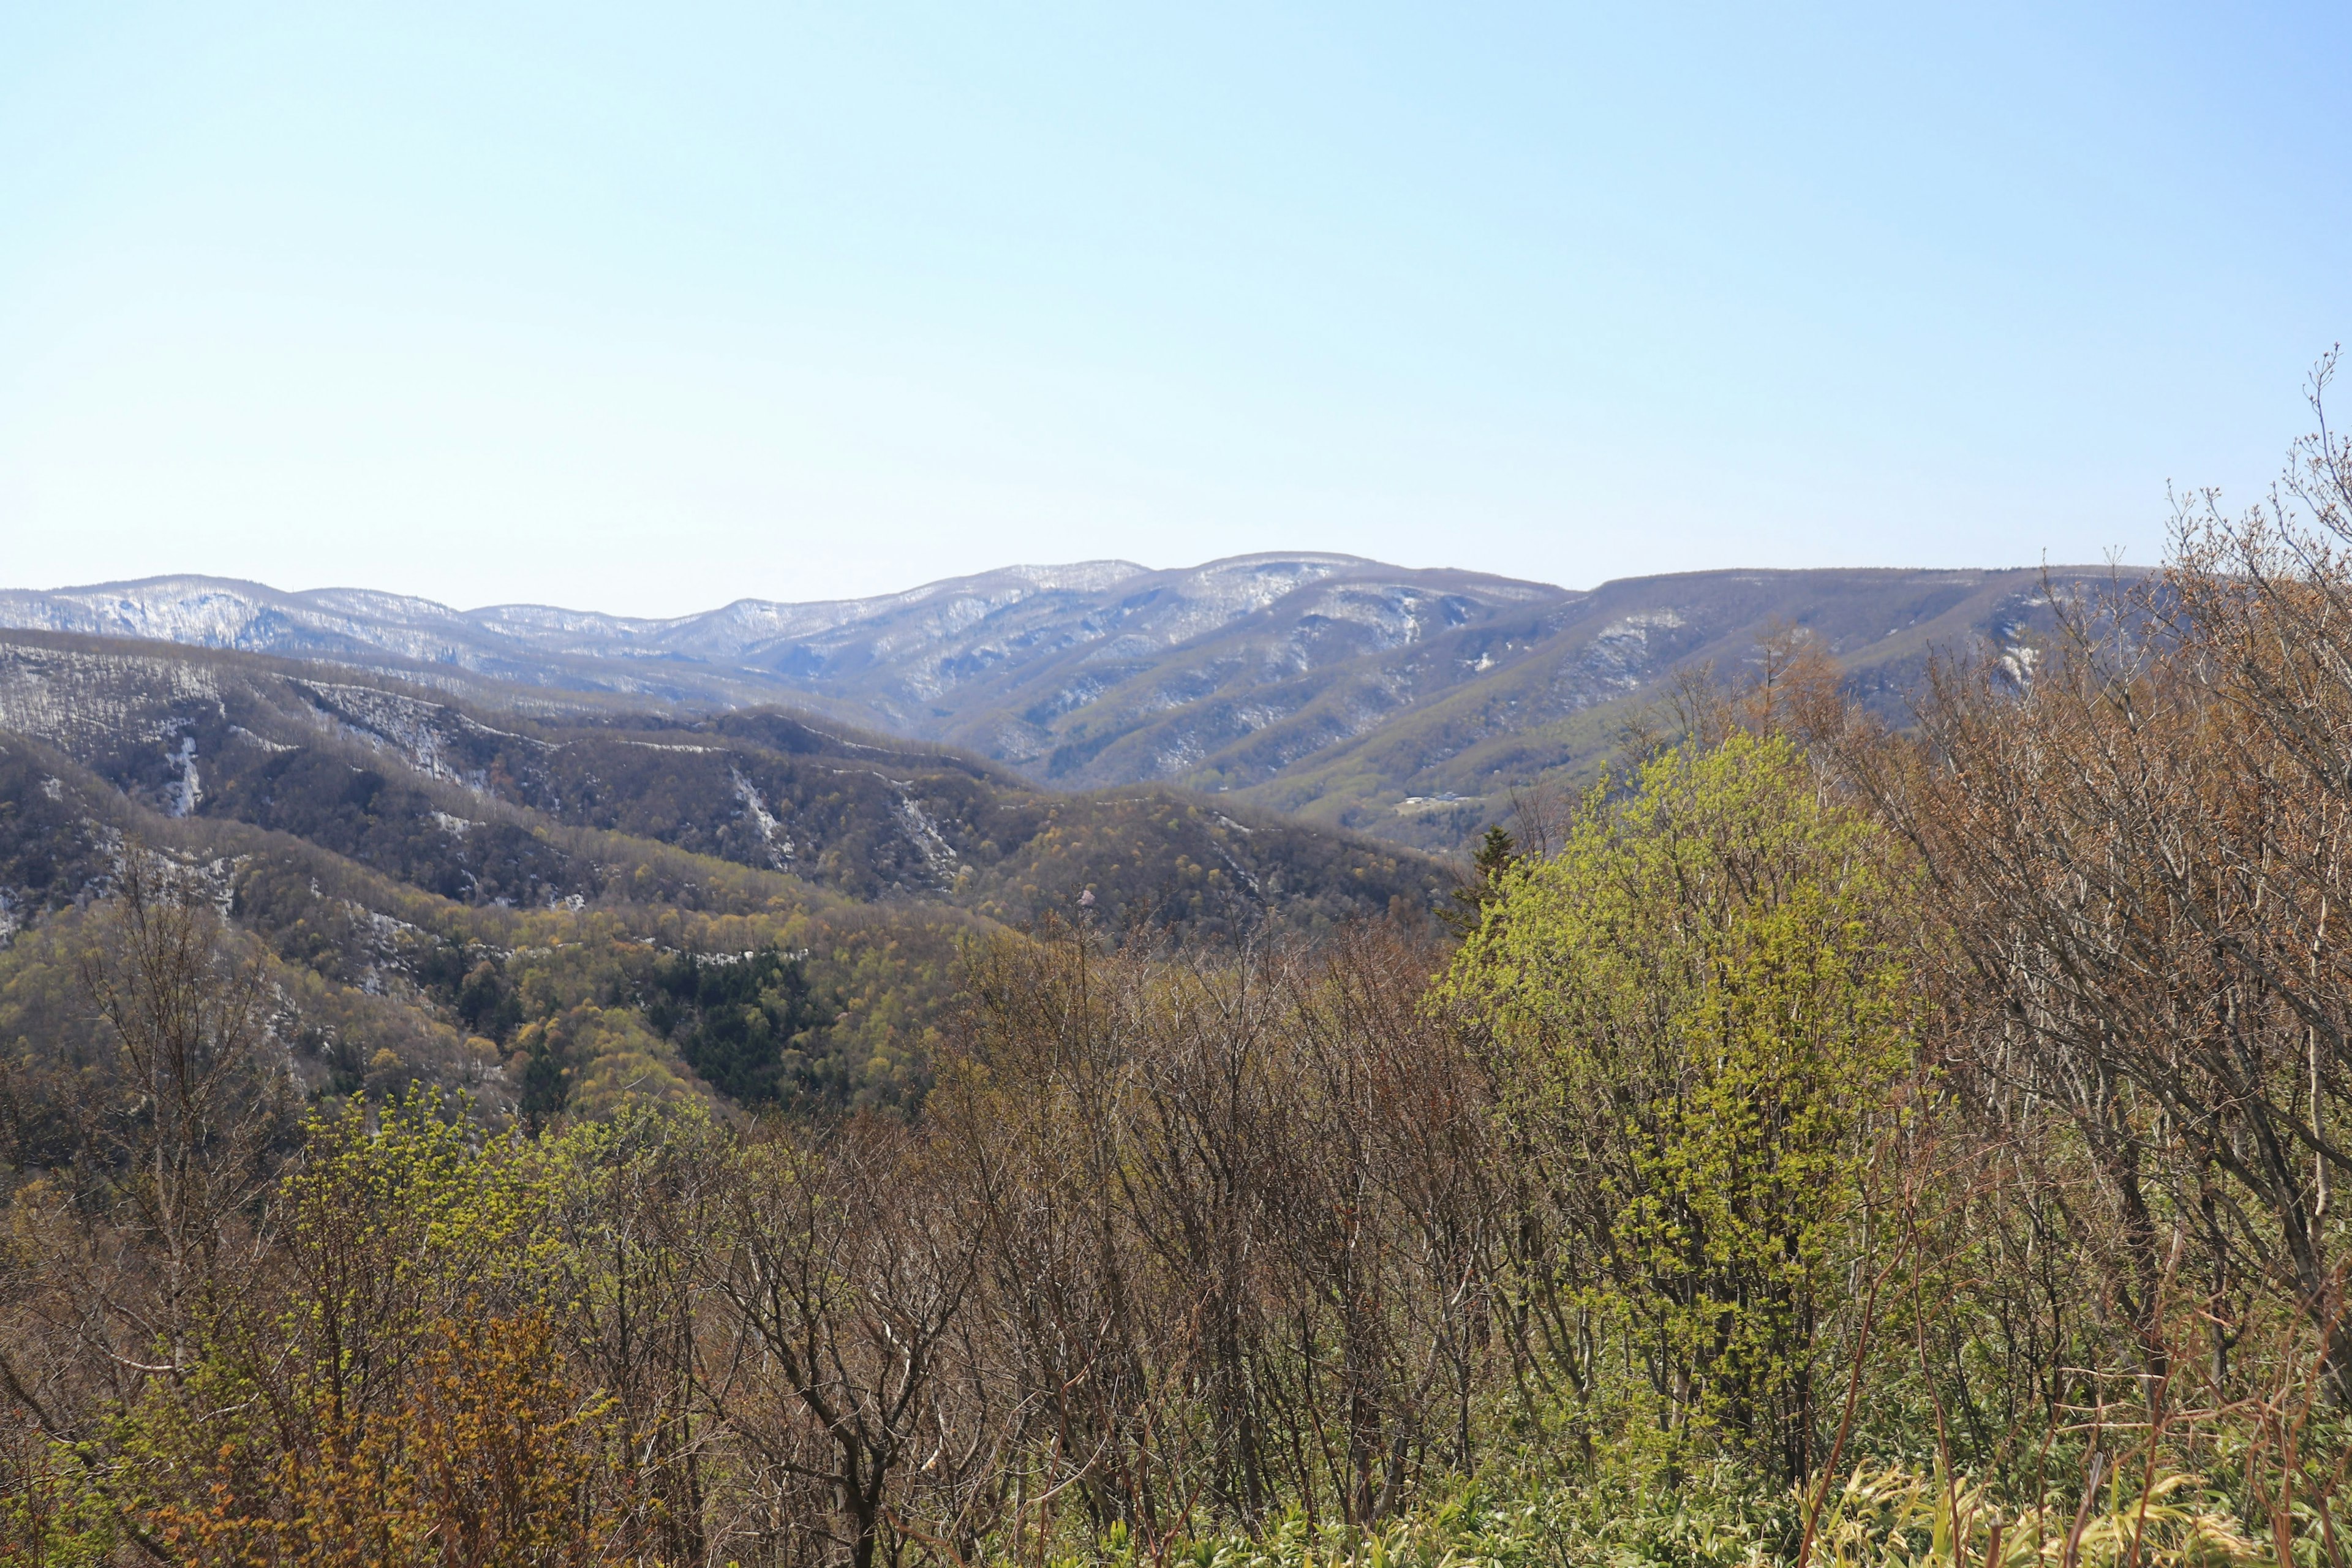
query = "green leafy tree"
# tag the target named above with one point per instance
(1694, 1015)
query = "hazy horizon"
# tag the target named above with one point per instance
(1733, 569)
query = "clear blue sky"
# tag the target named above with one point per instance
(645, 309)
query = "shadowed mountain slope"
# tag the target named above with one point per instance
(465, 802)
(554, 907)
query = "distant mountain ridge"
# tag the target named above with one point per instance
(230, 613)
(1396, 700)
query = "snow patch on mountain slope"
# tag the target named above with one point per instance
(1220, 594)
(1620, 656)
(772, 832)
(937, 853)
(186, 791)
(67, 696)
(411, 727)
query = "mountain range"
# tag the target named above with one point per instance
(560, 861)
(1395, 701)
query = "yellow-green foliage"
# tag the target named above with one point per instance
(414, 1402)
(617, 1060)
(405, 1217)
(1694, 1017)
(50, 1514)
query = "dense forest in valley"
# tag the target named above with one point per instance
(1823, 1141)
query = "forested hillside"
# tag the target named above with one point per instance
(456, 894)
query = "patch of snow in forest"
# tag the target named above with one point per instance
(1249, 877)
(779, 854)
(67, 698)
(1219, 595)
(936, 851)
(1392, 612)
(1129, 645)
(184, 793)
(409, 726)
(1177, 754)
(1077, 694)
(1619, 655)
